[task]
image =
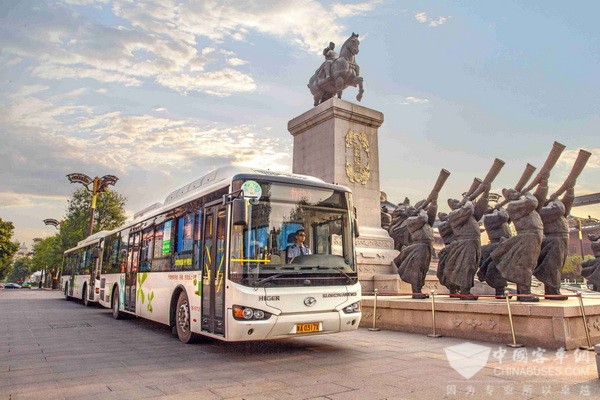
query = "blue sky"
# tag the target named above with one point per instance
(160, 92)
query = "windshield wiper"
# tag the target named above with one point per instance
(338, 269)
(267, 279)
(270, 278)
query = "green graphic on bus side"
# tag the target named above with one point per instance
(141, 278)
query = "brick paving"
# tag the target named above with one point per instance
(54, 349)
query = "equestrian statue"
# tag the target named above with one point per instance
(337, 72)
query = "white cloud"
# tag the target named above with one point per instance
(220, 83)
(350, 10)
(236, 61)
(414, 100)
(12, 199)
(168, 42)
(423, 18)
(438, 22)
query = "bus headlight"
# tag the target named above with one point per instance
(242, 313)
(352, 308)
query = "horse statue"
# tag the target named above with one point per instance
(337, 73)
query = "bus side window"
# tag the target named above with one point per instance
(146, 250)
(122, 260)
(184, 243)
(163, 245)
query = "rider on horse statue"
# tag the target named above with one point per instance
(337, 73)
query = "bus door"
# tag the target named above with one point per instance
(94, 270)
(75, 260)
(213, 269)
(133, 256)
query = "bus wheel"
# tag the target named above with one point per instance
(115, 304)
(85, 297)
(182, 321)
(67, 291)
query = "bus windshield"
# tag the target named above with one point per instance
(295, 236)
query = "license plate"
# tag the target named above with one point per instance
(308, 327)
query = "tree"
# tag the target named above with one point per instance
(109, 214)
(7, 248)
(47, 255)
(572, 267)
(21, 269)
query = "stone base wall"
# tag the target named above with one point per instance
(546, 324)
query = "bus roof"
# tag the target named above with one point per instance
(92, 239)
(230, 173)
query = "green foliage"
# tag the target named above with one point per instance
(7, 248)
(47, 254)
(572, 267)
(21, 269)
(109, 214)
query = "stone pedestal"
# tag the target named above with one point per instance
(547, 324)
(337, 142)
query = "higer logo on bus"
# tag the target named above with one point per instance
(310, 301)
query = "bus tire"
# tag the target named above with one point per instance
(114, 301)
(85, 296)
(182, 319)
(66, 292)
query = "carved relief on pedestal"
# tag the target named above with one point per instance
(358, 167)
(366, 269)
(374, 243)
(432, 285)
(593, 324)
(368, 315)
(474, 323)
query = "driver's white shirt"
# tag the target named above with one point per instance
(296, 250)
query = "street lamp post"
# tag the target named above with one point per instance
(99, 185)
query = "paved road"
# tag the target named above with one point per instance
(53, 349)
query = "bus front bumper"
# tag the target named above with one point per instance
(291, 325)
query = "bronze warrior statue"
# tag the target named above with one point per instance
(464, 254)
(495, 223)
(398, 229)
(517, 256)
(462, 260)
(386, 218)
(447, 236)
(555, 244)
(590, 269)
(414, 259)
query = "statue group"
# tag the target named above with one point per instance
(538, 247)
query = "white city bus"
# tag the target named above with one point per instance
(81, 270)
(212, 260)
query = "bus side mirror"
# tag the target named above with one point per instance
(239, 212)
(356, 232)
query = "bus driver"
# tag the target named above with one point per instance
(298, 248)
